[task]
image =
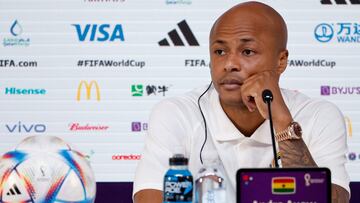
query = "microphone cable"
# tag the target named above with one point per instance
(205, 125)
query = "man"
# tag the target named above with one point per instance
(248, 54)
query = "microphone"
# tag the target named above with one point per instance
(268, 98)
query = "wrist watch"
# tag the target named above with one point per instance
(293, 132)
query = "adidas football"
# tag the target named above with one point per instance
(45, 169)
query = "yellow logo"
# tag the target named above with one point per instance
(348, 126)
(88, 87)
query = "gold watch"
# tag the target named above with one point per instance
(293, 132)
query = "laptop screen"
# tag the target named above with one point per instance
(283, 185)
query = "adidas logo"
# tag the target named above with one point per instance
(13, 191)
(176, 39)
(344, 2)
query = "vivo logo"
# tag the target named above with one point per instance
(25, 128)
(101, 33)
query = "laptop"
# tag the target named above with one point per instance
(283, 185)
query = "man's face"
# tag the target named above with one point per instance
(240, 46)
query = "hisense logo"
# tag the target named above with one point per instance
(21, 91)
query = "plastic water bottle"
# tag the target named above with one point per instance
(178, 181)
(210, 184)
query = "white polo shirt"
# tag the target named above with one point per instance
(177, 122)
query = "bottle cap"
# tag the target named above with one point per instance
(178, 160)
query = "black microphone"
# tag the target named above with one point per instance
(268, 97)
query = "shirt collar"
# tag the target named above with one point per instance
(222, 128)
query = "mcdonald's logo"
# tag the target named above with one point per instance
(88, 87)
(348, 126)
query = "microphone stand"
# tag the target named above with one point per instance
(268, 97)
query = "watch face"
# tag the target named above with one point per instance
(297, 129)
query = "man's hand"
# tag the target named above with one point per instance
(251, 92)
(148, 196)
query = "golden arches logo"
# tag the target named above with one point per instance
(88, 87)
(348, 126)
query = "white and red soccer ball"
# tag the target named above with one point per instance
(45, 169)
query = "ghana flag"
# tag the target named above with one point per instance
(283, 185)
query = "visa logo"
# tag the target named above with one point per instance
(101, 33)
(25, 128)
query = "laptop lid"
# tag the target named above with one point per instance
(285, 185)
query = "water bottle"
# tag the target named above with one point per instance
(178, 181)
(209, 183)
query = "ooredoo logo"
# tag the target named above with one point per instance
(126, 157)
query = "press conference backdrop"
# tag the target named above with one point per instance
(89, 71)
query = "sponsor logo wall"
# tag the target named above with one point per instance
(91, 71)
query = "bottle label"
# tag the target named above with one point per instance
(178, 189)
(214, 196)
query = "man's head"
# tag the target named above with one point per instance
(249, 38)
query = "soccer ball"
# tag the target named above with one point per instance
(45, 169)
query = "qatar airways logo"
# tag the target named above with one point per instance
(87, 127)
(126, 157)
(339, 90)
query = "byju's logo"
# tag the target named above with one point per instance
(137, 126)
(23, 91)
(88, 87)
(341, 2)
(176, 39)
(342, 32)
(26, 128)
(16, 31)
(340, 90)
(99, 32)
(325, 90)
(137, 90)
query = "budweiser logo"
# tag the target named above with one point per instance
(87, 127)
